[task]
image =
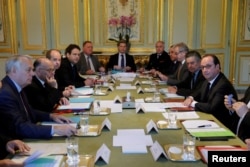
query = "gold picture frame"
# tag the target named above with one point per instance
(245, 26)
(3, 23)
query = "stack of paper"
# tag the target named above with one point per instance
(74, 106)
(132, 141)
(82, 91)
(115, 107)
(207, 130)
(152, 107)
(184, 115)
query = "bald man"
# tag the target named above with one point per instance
(44, 87)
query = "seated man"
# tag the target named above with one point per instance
(122, 60)
(17, 118)
(55, 57)
(195, 79)
(241, 108)
(159, 61)
(10, 146)
(210, 98)
(182, 73)
(88, 63)
(44, 86)
(67, 74)
(173, 66)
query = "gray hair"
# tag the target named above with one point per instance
(15, 62)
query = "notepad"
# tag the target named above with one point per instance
(81, 100)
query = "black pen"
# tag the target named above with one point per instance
(203, 126)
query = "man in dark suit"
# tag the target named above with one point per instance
(88, 63)
(159, 61)
(68, 74)
(122, 60)
(241, 108)
(210, 98)
(44, 86)
(17, 118)
(195, 79)
(55, 57)
(182, 73)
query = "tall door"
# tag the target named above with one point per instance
(45, 24)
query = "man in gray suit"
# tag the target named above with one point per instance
(88, 63)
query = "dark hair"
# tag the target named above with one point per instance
(85, 42)
(37, 63)
(194, 53)
(121, 41)
(71, 47)
(48, 53)
(215, 58)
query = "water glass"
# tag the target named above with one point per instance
(188, 147)
(84, 122)
(98, 88)
(156, 97)
(96, 107)
(172, 118)
(72, 150)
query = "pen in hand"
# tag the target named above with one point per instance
(203, 126)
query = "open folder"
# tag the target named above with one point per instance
(206, 130)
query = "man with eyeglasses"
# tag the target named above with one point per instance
(182, 73)
(210, 97)
(43, 93)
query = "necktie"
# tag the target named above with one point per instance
(207, 92)
(179, 71)
(25, 104)
(193, 80)
(88, 63)
(122, 62)
(74, 72)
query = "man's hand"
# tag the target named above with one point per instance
(14, 145)
(240, 108)
(66, 93)
(10, 163)
(188, 101)
(128, 68)
(227, 103)
(172, 89)
(65, 130)
(64, 101)
(89, 82)
(117, 67)
(90, 72)
(248, 143)
(60, 119)
(52, 82)
(102, 69)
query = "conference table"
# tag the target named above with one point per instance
(129, 119)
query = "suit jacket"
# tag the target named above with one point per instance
(161, 64)
(179, 77)
(113, 60)
(45, 99)
(214, 103)
(82, 64)
(246, 97)
(184, 88)
(66, 76)
(13, 118)
(3, 142)
(244, 132)
(171, 69)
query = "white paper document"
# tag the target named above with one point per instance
(184, 115)
(134, 148)
(173, 95)
(126, 79)
(125, 87)
(82, 91)
(173, 104)
(74, 106)
(115, 107)
(200, 124)
(153, 107)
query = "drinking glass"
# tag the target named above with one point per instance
(172, 118)
(84, 122)
(188, 147)
(72, 150)
(96, 107)
(98, 88)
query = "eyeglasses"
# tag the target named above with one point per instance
(49, 70)
(176, 53)
(208, 66)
